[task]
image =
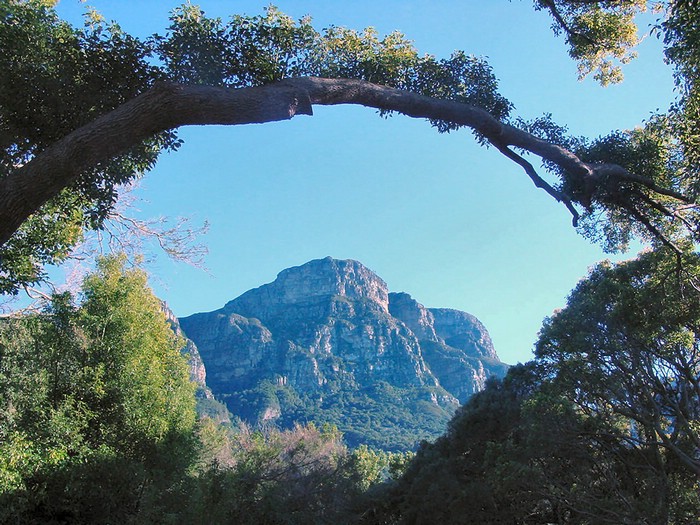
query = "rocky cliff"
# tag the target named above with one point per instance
(206, 402)
(198, 372)
(455, 345)
(327, 342)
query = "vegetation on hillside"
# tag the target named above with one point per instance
(381, 416)
(97, 425)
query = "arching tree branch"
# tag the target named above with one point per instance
(168, 106)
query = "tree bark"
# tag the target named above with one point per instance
(168, 106)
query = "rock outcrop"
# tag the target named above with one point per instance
(455, 345)
(326, 340)
(198, 372)
(207, 405)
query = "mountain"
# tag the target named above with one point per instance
(327, 342)
(207, 404)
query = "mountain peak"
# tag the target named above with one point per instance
(315, 281)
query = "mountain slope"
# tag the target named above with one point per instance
(327, 342)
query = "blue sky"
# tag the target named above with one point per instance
(437, 216)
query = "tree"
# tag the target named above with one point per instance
(523, 452)
(97, 413)
(601, 427)
(477, 472)
(624, 355)
(601, 35)
(626, 346)
(301, 475)
(86, 110)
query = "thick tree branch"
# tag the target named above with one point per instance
(165, 106)
(168, 106)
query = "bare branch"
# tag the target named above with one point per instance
(539, 181)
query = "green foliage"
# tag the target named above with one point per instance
(246, 51)
(251, 51)
(456, 476)
(56, 79)
(626, 346)
(382, 416)
(372, 467)
(96, 407)
(146, 369)
(618, 210)
(681, 34)
(520, 452)
(301, 475)
(213, 409)
(621, 211)
(663, 152)
(602, 427)
(601, 35)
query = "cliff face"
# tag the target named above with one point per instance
(456, 347)
(207, 405)
(327, 340)
(198, 372)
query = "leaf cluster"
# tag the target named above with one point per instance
(629, 335)
(601, 35)
(250, 51)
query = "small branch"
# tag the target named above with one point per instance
(629, 206)
(551, 5)
(654, 204)
(36, 294)
(619, 173)
(674, 214)
(539, 181)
